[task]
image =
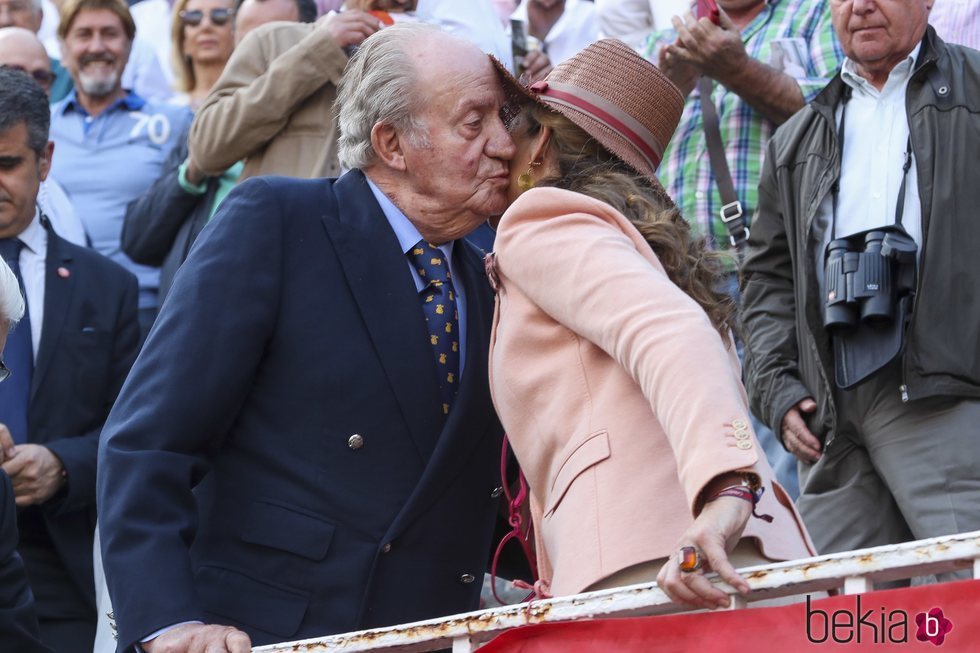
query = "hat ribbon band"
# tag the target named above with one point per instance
(603, 114)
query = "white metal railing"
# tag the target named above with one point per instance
(854, 571)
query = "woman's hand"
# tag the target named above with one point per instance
(714, 534)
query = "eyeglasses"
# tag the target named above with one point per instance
(219, 16)
(4, 371)
(41, 76)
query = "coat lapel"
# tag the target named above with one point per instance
(472, 417)
(58, 290)
(383, 288)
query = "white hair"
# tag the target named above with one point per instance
(11, 301)
(380, 85)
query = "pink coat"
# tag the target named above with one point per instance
(617, 393)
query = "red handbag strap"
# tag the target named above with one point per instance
(519, 531)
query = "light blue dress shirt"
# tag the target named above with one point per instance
(107, 161)
(408, 236)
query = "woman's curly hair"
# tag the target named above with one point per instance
(586, 167)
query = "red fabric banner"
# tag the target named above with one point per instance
(944, 617)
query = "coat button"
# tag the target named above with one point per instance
(386, 548)
(497, 491)
(744, 445)
(355, 441)
(466, 579)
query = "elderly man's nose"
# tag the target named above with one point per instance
(501, 145)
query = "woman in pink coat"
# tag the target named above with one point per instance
(613, 368)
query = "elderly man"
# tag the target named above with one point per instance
(28, 14)
(896, 456)
(759, 65)
(111, 142)
(18, 621)
(71, 353)
(309, 365)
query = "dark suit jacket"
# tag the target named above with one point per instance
(164, 222)
(88, 343)
(18, 623)
(293, 326)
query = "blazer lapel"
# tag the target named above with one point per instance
(58, 290)
(380, 281)
(472, 417)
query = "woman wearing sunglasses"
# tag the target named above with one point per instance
(203, 36)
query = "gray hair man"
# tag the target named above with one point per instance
(361, 342)
(882, 412)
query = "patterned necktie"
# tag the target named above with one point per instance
(18, 355)
(441, 317)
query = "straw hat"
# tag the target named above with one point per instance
(616, 96)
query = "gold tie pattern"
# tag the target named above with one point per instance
(441, 316)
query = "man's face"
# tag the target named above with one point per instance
(878, 34)
(21, 50)
(95, 51)
(462, 168)
(254, 13)
(19, 13)
(21, 172)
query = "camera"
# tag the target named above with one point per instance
(865, 275)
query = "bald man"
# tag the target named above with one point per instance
(252, 13)
(21, 49)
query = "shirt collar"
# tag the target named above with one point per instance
(899, 75)
(34, 237)
(131, 101)
(408, 236)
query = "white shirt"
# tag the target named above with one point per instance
(152, 18)
(408, 236)
(54, 203)
(876, 134)
(473, 20)
(632, 21)
(33, 256)
(576, 28)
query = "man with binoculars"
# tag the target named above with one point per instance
(860, 300)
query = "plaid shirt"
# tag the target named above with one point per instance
(811, 54)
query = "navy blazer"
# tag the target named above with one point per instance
(18, 623)
(89, 340)
(293, 326)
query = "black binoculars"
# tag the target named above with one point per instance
(865, 275)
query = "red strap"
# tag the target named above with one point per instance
(517, 527)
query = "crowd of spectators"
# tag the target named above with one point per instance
(161, 109)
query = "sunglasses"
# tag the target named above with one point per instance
(41, 76)
(4, 371)
(219, 16)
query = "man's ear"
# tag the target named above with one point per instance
(44, 161)
(387, 145)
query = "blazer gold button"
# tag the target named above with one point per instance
(355, 441)
(497, 491)
(466, 579)
(739, 424)
(386, 548)
(744, 444)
